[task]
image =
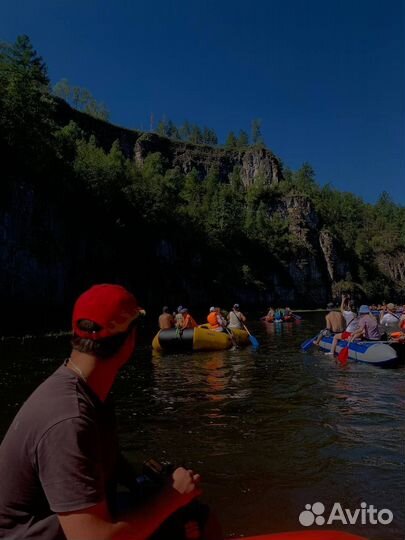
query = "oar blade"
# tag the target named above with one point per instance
(307, 344)
(254, 341)
(343, 356)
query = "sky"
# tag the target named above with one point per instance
(326, 78)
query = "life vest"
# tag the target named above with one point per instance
(213, 319)
(189, 322)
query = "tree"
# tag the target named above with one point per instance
(231, 141)
(81, 99)
(196, 136)
(26, 120)
(243, 139)
(185, 131)
(210, 137)
(63, 90)
(257, 137)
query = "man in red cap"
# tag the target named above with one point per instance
(59, 457)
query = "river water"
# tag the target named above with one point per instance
(269, 431)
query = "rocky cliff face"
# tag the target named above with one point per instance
(50, 250)
(253, 163)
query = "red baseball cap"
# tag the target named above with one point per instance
(112, 307)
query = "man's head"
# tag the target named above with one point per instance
(165, 309)
(103, 320)
(390, 306)
(330, 306)
(236, 307)
(364, 310)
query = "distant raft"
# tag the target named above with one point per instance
(377, 353)
(197, 339)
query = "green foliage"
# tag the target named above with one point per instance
(81, 99)
(243, 139)
(238, 235)
(26, 106)
(187, 132)
(257, 137)
(231, 141)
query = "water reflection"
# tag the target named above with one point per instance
(269, 430)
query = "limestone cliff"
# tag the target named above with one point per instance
(252, 162)
(54, 241)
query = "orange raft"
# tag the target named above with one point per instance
(307, 535)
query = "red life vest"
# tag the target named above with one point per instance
(213, 319)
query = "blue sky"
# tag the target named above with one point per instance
(327, 78)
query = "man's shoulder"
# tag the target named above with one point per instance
(58, 398)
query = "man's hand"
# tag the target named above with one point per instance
(185, 481)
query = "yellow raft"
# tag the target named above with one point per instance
(198, 339)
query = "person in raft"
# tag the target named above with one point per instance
(58, 460)
(166, 320)
(188, 321)
(236, 318)
(388, 317)
(348, 311)
(215, 319)
(368, 326)
(335, 323)
(270, 315)
(178, 318)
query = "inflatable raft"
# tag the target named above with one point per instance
(307, 535)
(197, 339)
(287, 318)
(377, 353)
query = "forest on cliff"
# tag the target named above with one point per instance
(73, 211)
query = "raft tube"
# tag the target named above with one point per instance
(197, 339)
(376, 353)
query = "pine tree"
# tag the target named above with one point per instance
(231, 141)
(26, 120)
(243, 139)
(257, 137)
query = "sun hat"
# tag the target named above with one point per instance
(111, 307)
(390, 306)
(364, 309)
(212, 308)
(236, 306)
(330, 306)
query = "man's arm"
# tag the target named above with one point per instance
(359, 332)
(328, 324)
(94, 523)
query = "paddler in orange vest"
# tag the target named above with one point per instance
(215, 319)
(188, 321)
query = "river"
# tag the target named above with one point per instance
(270, 431)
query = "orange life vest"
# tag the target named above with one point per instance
(189, 322)
(213, 319)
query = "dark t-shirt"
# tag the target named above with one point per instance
(59, 455)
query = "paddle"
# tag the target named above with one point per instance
(252, 339)
(235, 345)
(344, 354)
(306, 345)
(296, 316)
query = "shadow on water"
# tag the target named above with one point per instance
(270, 431)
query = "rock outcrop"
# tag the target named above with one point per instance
(253, 162)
